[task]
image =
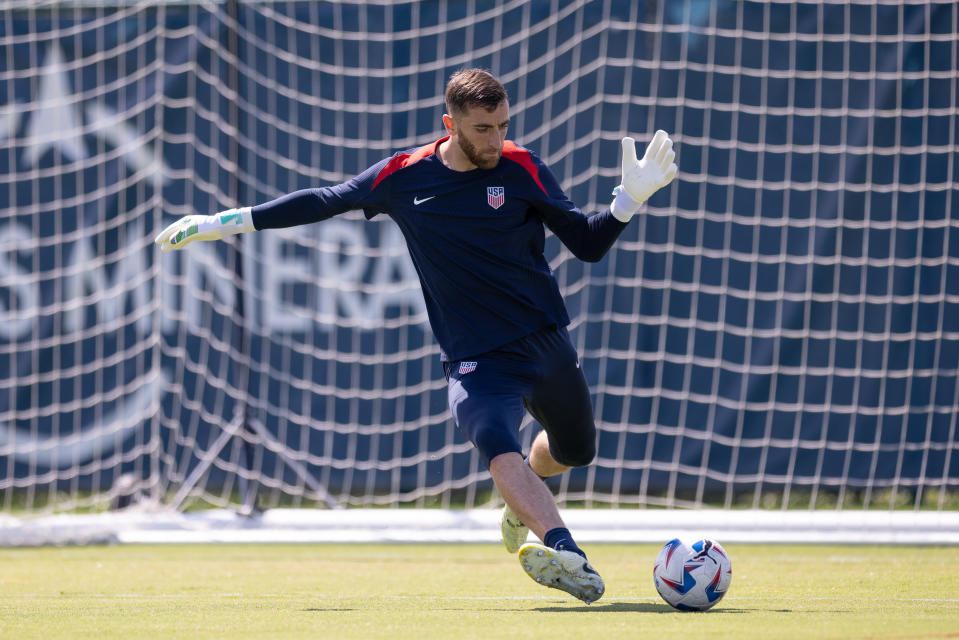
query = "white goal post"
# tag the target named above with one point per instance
(778, 331)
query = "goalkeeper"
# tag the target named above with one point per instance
(473, 207)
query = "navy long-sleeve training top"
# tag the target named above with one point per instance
(476, 238)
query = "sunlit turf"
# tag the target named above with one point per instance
(463, 591)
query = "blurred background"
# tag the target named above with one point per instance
(779, 329)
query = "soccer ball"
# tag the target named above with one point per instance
(692, 577)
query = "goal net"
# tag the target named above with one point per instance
(779, 329)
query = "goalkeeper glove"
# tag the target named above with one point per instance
(197, 227)
(643, 178)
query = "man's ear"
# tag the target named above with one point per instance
(449, 123)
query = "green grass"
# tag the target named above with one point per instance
(404, 592)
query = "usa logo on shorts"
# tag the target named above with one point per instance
(495, 196)
(466, 367)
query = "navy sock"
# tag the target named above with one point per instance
(562, 540)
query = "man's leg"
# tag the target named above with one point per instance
(530, 498)
(530, 495)
(525, 493)
(487, 400)
(541, 460)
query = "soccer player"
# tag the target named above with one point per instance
(473, 207)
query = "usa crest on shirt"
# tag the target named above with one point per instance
(495, 196)
(466, 367)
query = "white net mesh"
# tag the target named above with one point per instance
(780, 327)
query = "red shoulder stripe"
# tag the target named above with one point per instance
(521, 156)
(406, 159)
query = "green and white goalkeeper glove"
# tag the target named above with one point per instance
(198, 227)
(642, 178)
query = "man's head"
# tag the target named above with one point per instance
(478, 116)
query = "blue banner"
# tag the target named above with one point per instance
(785, 316)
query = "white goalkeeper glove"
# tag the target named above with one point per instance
(198, 227)
(643, 178)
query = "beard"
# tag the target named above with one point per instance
(481, 161)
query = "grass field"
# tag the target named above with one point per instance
(463, 591)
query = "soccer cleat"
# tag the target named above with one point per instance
(514, 532)
(563, 570)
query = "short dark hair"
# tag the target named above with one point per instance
(473, 87)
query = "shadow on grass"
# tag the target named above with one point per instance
(634, 607)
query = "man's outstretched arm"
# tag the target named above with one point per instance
(293, 209)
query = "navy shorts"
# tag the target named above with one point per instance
(539, 373)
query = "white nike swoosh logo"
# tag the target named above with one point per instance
(421, 201)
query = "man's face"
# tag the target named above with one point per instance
(481, 133)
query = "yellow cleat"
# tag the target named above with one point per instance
(513, 530)
(563, 570)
